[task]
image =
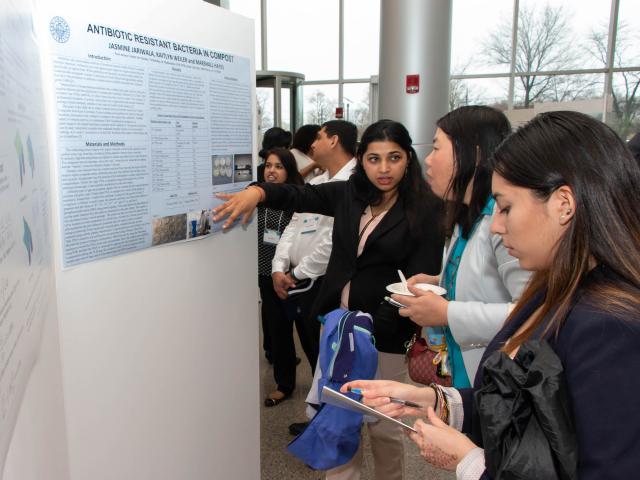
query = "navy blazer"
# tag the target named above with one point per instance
(389, 247)
(600, 353)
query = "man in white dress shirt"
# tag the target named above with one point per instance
(303, 252)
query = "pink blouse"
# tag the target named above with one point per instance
(368, 223)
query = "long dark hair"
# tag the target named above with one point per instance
(288, 162)
(475, 132)
(573, 149)
(412, 188)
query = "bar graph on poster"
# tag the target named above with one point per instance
(148, 129)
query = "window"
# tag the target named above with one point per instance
(302, 36)
(356, 104)
(554, 37)
(264, 108)
(559, 34)
(575, 89)
(478, 91)
(320, 102)
(361, 38)
(474, 22)
(628, 35)
(623, 112)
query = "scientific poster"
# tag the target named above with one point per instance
(148, 129)
(26, 276)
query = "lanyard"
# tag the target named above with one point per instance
(266, 214)
(366, 225)
(364, 229)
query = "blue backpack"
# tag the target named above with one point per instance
(347, 352)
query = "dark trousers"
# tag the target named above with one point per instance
(271, 309)
(297, 309)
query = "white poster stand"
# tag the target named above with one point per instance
(158, 348)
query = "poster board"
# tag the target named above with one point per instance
(148, 129)
(149, 340)
(26, 274)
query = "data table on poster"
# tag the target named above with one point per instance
(179, 153)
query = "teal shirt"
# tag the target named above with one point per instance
(459, 375)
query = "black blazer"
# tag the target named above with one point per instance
(600, 353)
(389, 247)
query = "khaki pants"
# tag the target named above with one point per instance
(386, 438)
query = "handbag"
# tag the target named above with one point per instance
(427, 364)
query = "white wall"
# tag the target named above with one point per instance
(160, 363)
(38, 448)
(158, 349)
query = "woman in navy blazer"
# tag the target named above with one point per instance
(567, 194)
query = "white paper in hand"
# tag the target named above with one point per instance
(337, 399)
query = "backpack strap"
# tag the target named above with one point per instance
(356, 341)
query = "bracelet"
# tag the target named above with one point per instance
(441, 399)
(260, 192)
(435, 390)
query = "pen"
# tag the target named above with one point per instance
(394, 302)
(406, 403)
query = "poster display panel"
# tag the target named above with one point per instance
(26, 275)
(148, 129)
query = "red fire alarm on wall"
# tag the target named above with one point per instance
(339, 112)
(413, 83)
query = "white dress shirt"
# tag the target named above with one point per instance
(305, 245)
(303, 160)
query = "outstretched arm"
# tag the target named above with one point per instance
(322, 199)
(238, 204)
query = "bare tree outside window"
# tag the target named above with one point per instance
(264, 109)
(356, 104)
(625, 85)
(361, 115)
(460, 92)
(544, 43)
(321, 108)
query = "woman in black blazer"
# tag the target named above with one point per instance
(566, 189)
(385, 220)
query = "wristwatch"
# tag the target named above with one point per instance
(296, 279)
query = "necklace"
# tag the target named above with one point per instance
(366, 225)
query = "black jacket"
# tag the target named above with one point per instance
(600, 353)
(390, 247)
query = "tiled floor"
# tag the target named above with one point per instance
(278, 464)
